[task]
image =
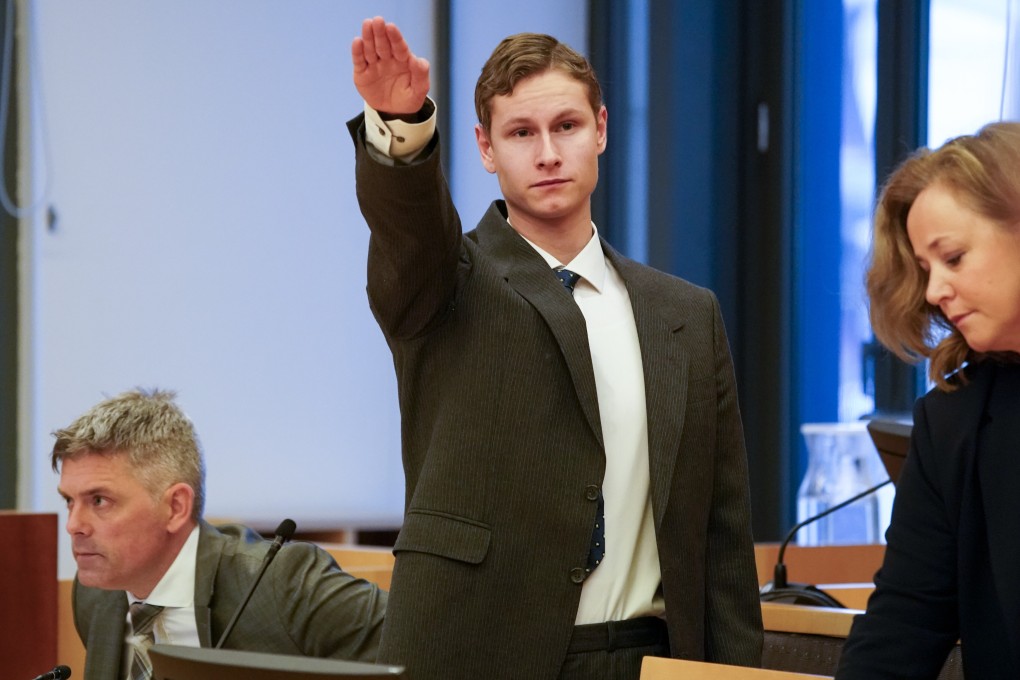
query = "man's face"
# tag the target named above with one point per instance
(120, 535)
(543, 144)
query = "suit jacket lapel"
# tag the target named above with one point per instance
(528, 274)
(999, 473)
(665, 370)
(207, 564)
(106, 643)
(658, 325)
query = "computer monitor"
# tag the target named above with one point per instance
(892, 439)
(173, 662)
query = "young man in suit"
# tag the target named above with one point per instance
(576, 477)
(132, 475)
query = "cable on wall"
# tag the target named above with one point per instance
(35, 88)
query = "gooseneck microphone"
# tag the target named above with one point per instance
(283, 534)
(58, 673)
(779, 590)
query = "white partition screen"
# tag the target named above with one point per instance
(203, 235)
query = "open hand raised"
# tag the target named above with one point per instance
(388, 76)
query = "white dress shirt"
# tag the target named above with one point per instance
(626, 584)
(175, 592)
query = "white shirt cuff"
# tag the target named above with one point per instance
(396, 138)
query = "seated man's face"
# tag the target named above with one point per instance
(118, 531)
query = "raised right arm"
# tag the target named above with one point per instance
(416, 232)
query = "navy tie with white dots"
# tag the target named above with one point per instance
(598, 535)
(567, 278)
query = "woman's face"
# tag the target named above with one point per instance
(973, 268)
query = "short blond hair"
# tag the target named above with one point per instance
(147, 427)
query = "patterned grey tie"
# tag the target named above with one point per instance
(143, 617)
(597, 549)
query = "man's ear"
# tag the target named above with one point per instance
(601, 128)
(485, 148)
(179, 500)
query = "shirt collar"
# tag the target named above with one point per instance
(590, 263)
(177, 587)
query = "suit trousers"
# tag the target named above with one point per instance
(615, 654)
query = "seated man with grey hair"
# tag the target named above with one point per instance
(132, 475)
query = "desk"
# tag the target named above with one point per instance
(654, 668)
(795, 618)
(28, 593)
(370, 563)
(804, 639)
(810, 639)
(821, 564)
(850, 595)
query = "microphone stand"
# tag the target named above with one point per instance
(779, 590)
(283, 534)
(58, 673)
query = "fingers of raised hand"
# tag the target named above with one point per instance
(397, 45)
(381, 35)
(379, 42)
(358, 55)
(367, 41)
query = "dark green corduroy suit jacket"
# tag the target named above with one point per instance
(304, 605)
(501, 438)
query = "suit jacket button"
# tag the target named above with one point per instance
(577, 575)
(591, 492)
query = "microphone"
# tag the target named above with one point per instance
(779, 590)
(283, 534)
(58, 673)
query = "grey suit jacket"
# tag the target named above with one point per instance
(304, 605)
(952, 565)
(501, 436)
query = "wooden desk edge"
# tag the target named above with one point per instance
(655, 668)
(793, 618)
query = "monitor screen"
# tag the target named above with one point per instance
(171, 662)
(892, 439)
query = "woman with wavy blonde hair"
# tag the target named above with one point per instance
(944, 283)
(982, 174)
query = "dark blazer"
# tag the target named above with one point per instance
(501, 437)
(952, 564)
(304, 605)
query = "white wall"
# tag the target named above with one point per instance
(208, 240)
(208, 237)
(968, 49)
